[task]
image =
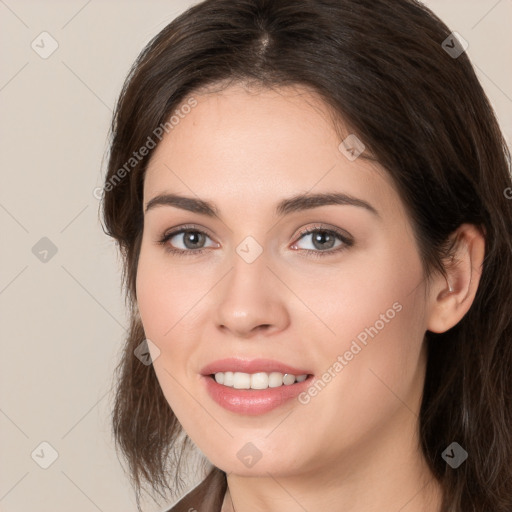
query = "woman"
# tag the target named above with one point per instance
(311, 202)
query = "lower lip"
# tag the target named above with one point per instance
(253, 402)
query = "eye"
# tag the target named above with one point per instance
(324, 241)
(190, 240)
(186, 239)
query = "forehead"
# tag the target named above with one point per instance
(245, 143)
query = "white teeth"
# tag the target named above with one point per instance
(260, 380)
(275, 379)
(241, 380)
(228, 379)
(288, 379)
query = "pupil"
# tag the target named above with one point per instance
(192, 238)
(321, 237)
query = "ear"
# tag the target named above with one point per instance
(451, 298)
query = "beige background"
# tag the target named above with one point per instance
(63, 320)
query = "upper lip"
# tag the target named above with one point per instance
(234, 364)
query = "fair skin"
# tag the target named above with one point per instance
(354, 446)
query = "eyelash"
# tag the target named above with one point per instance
(347, 242)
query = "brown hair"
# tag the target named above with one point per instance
(380, 65)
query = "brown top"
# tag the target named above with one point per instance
(208, 496)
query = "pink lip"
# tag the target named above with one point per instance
(234, 364)
(252, 402)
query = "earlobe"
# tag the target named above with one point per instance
(451, 297)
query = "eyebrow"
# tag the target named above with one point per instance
(286, 206)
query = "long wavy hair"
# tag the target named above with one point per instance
(385, 70)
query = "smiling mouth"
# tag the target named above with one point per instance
(257, 381)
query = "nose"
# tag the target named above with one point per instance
(251, 300)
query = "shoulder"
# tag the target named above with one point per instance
(205, 497)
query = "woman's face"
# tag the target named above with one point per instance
(345, 304)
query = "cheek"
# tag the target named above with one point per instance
(371, 293)
(166, 294)
(165, 298)
(153, 300)
(377, 313)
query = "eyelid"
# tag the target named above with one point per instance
(323, 227)
(186, 227)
